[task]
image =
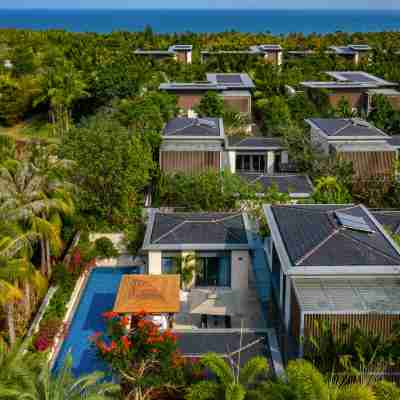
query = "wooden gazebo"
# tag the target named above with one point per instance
(154, 294)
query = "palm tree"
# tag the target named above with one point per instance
(232, 382)
(16, 272)
(35, 199)
(25, 376)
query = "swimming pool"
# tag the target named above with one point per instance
(97, 297)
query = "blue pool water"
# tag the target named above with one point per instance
(98, 297)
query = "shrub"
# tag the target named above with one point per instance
(47, 333)
(105, 248)
(134, 236)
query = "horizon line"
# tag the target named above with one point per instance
(191, 9)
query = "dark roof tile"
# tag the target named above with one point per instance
(312, 236)
(198, 228)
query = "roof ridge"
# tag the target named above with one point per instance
(317, 247)
(343, 231)
(170, 231)
(349, 123)
(184, 127)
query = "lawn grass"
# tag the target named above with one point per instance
(36, 127)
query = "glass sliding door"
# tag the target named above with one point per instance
(213, 271)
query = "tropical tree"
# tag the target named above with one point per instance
(63, 85)
(36, 200)
(113, 167)
(211, 105)
(17, 274)
(328, 190)
(231, 382)
(28, 377)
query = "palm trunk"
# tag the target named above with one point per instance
(28, 308)
(48, 260)
(11, 322)
(42, 256)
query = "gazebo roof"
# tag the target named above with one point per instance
(154, 294)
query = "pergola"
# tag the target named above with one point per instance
(154, 294)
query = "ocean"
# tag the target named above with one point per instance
(169, 21)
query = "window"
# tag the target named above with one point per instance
(251, 162)
(169, 263)
(213, 271)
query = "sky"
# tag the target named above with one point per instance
(252, 4)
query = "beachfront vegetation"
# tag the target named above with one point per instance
(81, 119)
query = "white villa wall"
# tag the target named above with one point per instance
(154, 261)
(240, 266)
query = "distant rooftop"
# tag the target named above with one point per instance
(257, 49)
(194, 127)
(296, 185)
(346, 127)
(215, 81)
(231, 80)
(349, 80)
(170, 51)
(360, 77)
(254, 143)
(312, 234)
(350, 49)
(196, 230)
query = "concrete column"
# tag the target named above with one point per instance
(240, 265)
(279, 58)
(232, 161)
(270, 162)
(287, 301)
(189, 57)
(284, 157)
(155, 263)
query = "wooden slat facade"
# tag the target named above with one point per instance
(189, 161)
(367, 164)
(374, 323)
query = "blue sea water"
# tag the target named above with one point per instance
(169, 21)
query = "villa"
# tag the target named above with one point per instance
(352, 139)
(314, 281)
(271, 53)
(356, 53)
(192, 145)
(234, 88)
(217, 246)
(179, 52)
(357, 87)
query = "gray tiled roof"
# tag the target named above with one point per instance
(223, 343)
(388, 218)
(312, 236)
(285, 183)
(346, 127)
(254, 142)
(231, 80)
(394, 140)
(198, 228)
(193, 127)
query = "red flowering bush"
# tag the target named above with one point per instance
(146, 357)
(47, 334)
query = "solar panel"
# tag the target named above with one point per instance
(357, 77)
(232, 79)
(352, 222)
(206, 122)
(360, 46)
